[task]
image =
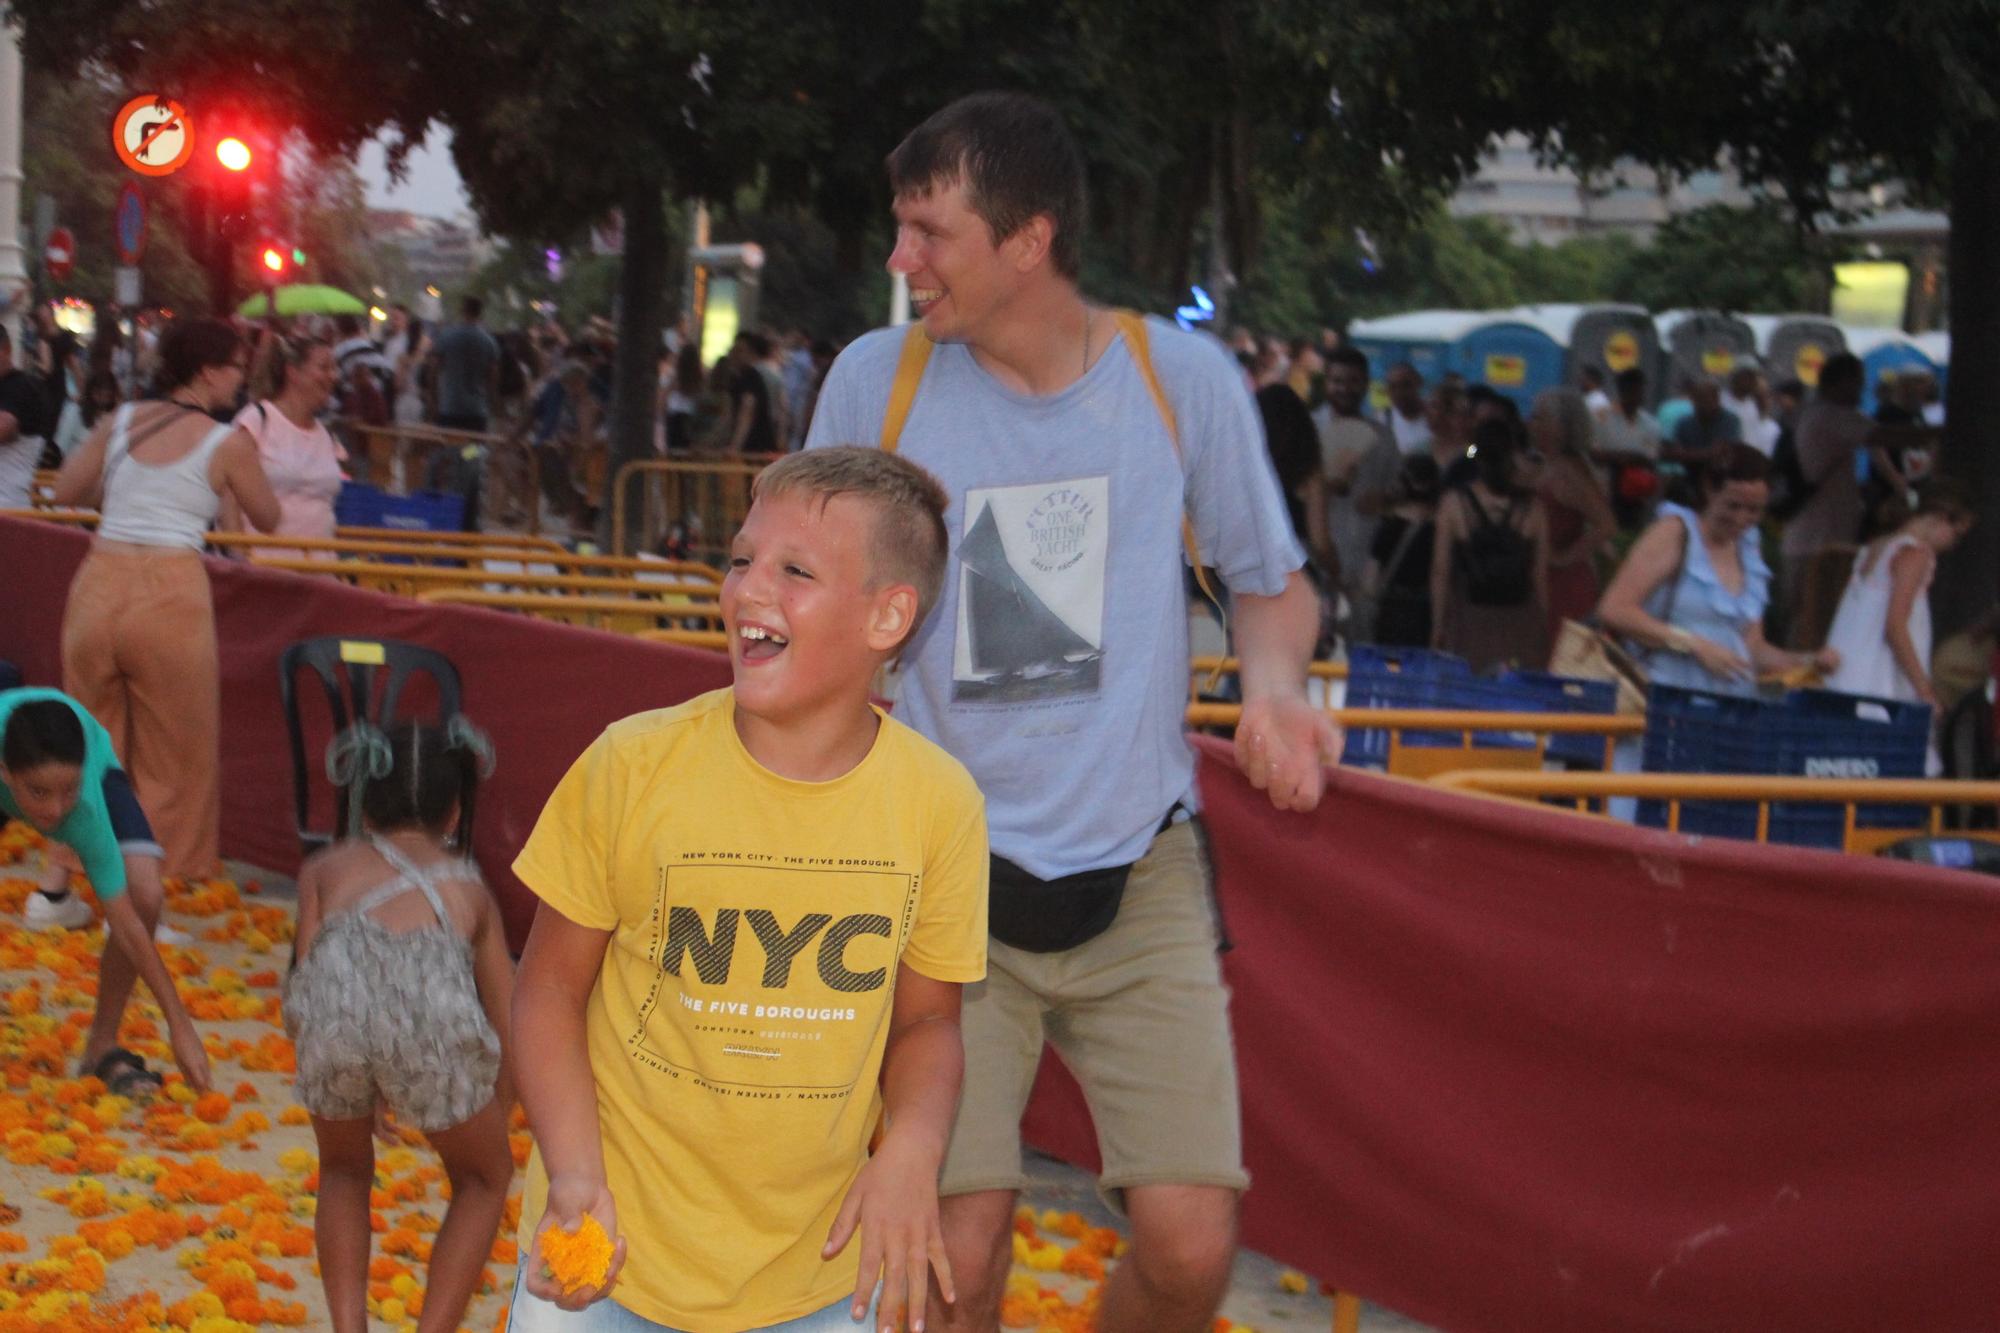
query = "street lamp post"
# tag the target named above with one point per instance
(13, 265)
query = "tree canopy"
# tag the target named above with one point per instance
(1281, 122)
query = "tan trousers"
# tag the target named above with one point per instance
(138, 651)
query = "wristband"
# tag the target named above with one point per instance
(1680, 641)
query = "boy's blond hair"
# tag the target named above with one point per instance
(910, 544)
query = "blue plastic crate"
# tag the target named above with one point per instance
(1824, 734)
(363, 506)
(1807, 733)
(1543, 692)
(1379, 677)
(1693, 731)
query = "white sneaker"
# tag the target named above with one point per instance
(162, 934)
(69, 912)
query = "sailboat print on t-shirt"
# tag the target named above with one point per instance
(1031, 592)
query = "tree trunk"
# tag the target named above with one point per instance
(635, 376)
(1966, 580)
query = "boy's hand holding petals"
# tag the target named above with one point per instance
(894, 1205)
(1283, 745)
(568, 1200)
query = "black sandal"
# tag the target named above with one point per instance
(126, 1075)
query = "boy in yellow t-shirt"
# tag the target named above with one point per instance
(758, 909)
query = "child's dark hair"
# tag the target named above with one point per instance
(42, 731)
(412, 776)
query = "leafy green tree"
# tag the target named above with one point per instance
(1725, 258)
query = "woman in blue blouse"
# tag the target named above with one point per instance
(1691, 594)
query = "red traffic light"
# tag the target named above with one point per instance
(233, 154)
(274, 259)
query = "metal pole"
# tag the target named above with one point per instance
(13, 265)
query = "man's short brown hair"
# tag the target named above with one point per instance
(1016, 160)
(910, 543)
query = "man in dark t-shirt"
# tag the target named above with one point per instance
(23, 427)
(750, 397)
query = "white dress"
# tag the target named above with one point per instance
(1866, 664)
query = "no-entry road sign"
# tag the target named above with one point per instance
(59, 253)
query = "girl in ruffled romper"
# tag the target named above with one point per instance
(398, 1000)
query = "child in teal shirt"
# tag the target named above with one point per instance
(58, 772)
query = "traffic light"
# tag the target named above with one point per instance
(231, 186)
(275, 261)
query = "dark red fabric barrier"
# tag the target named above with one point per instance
(1507, 1069)
(1503, 1069)
(541, 690)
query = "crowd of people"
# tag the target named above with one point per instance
(316, 380)
(1739, 530)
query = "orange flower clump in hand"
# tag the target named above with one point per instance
(213, 1107)
(577, 1259)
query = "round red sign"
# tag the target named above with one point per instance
(59, 253)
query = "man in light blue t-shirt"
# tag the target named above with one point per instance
(59, 773)
(1056, 669)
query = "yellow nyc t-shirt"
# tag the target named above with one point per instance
(736, 1030)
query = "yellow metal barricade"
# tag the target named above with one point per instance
(688, 638)
(707, 496)
(1203, 666)
(1423, 761)
(444, 548)
(412, 579)
(620, 615)
(1585, 789)
(463, 554)
(525, 540)
(80, 518)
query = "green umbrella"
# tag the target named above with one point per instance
(306, 299)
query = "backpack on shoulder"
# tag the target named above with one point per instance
(1497, 557)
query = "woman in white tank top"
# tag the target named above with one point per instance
(1883, 626)
(138, 644)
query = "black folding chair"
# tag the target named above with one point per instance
(349, 671)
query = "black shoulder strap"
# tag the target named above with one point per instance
(1402, 551)
(1471, 498)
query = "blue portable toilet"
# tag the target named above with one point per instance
(1486, 347)
(1884, 353)
(1795, 346)
(1413, 337)
(1699, 342)
(1937, 346)
(1608, 338)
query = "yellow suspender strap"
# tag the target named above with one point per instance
(903, 393)
(1133, 326)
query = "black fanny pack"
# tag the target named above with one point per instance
(1050, 915)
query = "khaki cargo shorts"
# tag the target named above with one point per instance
(1139, 1015)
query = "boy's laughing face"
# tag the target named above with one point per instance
(805, 627)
